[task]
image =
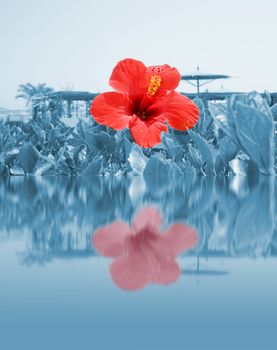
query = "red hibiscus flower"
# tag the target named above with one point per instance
(144, 101)
(142, 254)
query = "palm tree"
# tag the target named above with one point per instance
(30, 92)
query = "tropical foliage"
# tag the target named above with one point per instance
(30, 92)
(236, 136)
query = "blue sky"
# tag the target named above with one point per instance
(75, 44)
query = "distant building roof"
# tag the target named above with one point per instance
(72, 95)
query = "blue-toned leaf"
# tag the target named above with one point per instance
(63, 169)
(238, 167)
(176, 152)
(39, 132)
(255, 132)
(28, 157)
(252, 99)
(80, 127)
(137, 159)
(187, 168)
(3, 168)
(8, 157)
(101, 142)
(206, 150)
(274, 111)
(74, 141)
(158, 167)
(222, 114)
(195, 158)
(227, 149)
(180, 136)
(43, 168)
(94, 168)
(122, 149)
(202, 111)
(16, 170)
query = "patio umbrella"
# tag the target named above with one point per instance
(199, 79)
(205, 271)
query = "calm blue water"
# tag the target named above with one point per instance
(56, 291)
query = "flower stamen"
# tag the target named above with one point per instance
(154, 84)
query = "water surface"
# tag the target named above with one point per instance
(57, 291)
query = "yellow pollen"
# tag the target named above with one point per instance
(154, 84)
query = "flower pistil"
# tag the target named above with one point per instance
(154, 84)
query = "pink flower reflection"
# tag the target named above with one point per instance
(142, 254)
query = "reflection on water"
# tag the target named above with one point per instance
(56, 290)
(56, 216)
(142, 253)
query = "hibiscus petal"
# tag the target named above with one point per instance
(111, 109)
(180, 237)
(170, 77)
(144, 263)
(129, 76)
(181, 113)
(147, 257)
(149, 217)
(147, 133)
(109, 240)
(168, 271)
(130, 272)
